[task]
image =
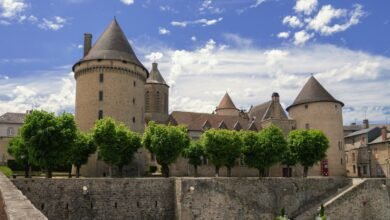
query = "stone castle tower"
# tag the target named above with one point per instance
(227, 107)
(315, 108)
(110, 81)
(156, 97)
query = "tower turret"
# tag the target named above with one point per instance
(227, 107)
(316, 108)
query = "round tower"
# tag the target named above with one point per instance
(227, 107)
(110, 82)
(315, 108)
(156, 96)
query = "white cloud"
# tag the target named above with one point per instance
(193, 38)
(204, 22)
(55, 24)
(322, 22)
(12, 8)
(284, 35)
(257, 3)
(154, 56)
(163, 31)
(301, 37)
(168, 8)
(127, 2)
(207, 6)
(292, 21)
(305, 6)
(237, 40)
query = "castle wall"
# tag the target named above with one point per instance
(327, 117)
(156, 102)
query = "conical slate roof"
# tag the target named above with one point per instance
(155, 76)
(226, 103)
(113, 45)
(313, 91)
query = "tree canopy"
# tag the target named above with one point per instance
(310, 146)
(82, 148)
(194, 154)
(167, 142)
(116, 144)
(49, 138)
(18, 149)
(222, 147)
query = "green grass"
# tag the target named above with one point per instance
(6, 170)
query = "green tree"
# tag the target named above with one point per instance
(194, 153)
(167, 142)
(18, 149)
(116, 144)
(49, 138)
(310, 147)
(289, 158)
(264, 149)
(82, 148)
(222, 147)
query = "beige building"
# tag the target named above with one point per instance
(10, 124)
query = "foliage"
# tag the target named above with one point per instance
(309, 146)
(18, 149)
(264, 149)
(6, 170)
(49, 138)
(152, 169)
(82, 148)
(167, 142)
(194, 153)
(116, 144)
(222, 147)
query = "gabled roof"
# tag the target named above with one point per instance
(313, 91)
(12, 118)
(266, 111)
(379, 139)
(112, 45)
(155, 76)
(226, 103)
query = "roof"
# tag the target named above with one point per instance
(112, 45)
(12, 118)
(196, 121)
(313, 91)
(379, 139)
(226, 103)
(155, 76)
(266, 110)
(363, 131)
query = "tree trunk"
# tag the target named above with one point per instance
(29, 171)
(120, 169)
(110, 171)
(196, 170)
(49, 173)
(165, 170)
(70, 172)
(260, 172)
(26, 170)
(305, 171)
(216, 171)
(78, 171)
(288, 171)
(229, 171)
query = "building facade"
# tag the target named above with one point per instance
(10, 124)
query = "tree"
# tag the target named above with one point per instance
(289, 158)
(18, 149)
(82, 148)
(222, 147)
(310, 147)
(167, 142)
(264, 149)
(49, 138)
(116, 144)
(194, 153)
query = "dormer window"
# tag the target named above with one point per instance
(237, 126)
(222, 125)
(206, 125)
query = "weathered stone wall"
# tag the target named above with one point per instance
(106, 198)
(369, 200)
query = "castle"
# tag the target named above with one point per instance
(111, 81)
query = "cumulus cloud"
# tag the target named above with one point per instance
(204, 22)
(237, 40)
(127, 2)
(301, 37)
(154, 56)
(163, 31)
(284, 34)
(193, 38)
(54, 24)
(12, 8)
(292, 21)
(305, 6)
(207, 6)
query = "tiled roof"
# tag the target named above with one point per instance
(380, 140)
(265, 111)
(12, 118)
(226, 103)
(197, 121)
(155, 76)
(363, 131)
(313, 91)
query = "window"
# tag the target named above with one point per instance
(134, 83)
(100, 114)
(306, 106)
(10, 131)
(341, 160)
(147, 101)
(158, 101)
(307, 126)
(166, 103)
(134, 101)
(101, 77)
(100, 95)
(354, 168)
(353, 157)
(364, 169)
(133, 119)
(346, 158)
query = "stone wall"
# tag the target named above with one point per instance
(106, 198)
(369, 200)
(176, 198)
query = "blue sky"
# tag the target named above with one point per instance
(204, 48)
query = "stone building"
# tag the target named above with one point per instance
(10, 124)
(111, 81)
(380, 154)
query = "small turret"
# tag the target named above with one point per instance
(227, 107)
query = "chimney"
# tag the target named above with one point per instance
(275, 97)
(384, 133)
(366, 124)
(154, 67)
(87, 43)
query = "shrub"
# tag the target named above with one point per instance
(152, 169)
(6, 170)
